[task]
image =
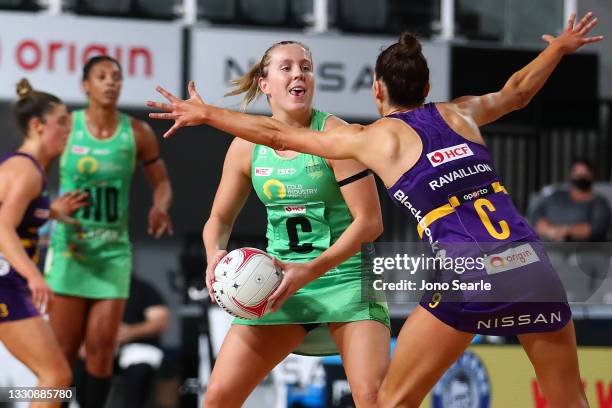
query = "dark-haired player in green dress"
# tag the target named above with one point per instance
(89, 267)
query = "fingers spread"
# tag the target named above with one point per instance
(191, 89)
(548, 38)
(159, 105)
(594, 39)
(589, 26)
(171, 131)
(570, 21)
(165, 115)
(166, 94)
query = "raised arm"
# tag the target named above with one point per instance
(344, 142)
(524, 84)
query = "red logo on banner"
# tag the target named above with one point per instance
(604, 396)
(32, 55)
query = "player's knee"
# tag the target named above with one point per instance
(101, 347)
(365, 395)
(57, 376)
(63, 377)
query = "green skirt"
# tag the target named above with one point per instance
(97, 276)
(340, 295)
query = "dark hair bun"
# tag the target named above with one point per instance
(410, 43)
(24, 89)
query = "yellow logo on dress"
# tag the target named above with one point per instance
(87, 165)
(4, 311)
(282, 190)
(435, 300)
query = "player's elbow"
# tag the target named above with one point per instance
(515, 97)
(521, 99)
(374, 229)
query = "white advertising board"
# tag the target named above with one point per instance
(51, 50)
(344, 67)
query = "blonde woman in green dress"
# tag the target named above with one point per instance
(319, 213)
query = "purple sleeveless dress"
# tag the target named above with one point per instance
(462, 210)
(15, 300)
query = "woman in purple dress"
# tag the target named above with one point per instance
(24, 207)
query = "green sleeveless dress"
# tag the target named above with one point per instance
(95, 261)
(306, 215)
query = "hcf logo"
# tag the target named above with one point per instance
(449, 154)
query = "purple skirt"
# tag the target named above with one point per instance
(16, 304)
(525, 296)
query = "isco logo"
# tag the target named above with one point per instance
(286, 172)
(448, 154)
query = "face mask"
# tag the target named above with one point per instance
(582, 184)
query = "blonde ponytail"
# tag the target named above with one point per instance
(247, 84)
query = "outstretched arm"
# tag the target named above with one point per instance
(344, 142)
(524, 84)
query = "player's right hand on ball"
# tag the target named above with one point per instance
(41, 293)
(210, 271)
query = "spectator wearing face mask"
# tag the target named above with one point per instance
(577, 214)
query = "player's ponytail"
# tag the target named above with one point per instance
(403, 68)
(23, 89)
(248, 83)
(31, 103)
(410, 44)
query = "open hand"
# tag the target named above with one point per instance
(574, 37)
(183, 112)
